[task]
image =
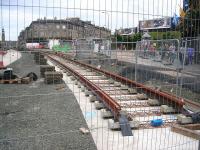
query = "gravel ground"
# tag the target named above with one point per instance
(37, 116)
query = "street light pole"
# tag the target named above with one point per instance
(104, 12)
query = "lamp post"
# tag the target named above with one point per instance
(109, 34)
(104, 12)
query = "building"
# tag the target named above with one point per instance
(71, 28)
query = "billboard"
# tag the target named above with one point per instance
(155, 23)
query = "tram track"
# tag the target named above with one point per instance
(120, 94)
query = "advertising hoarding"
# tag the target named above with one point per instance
(155, 23)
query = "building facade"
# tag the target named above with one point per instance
(68, 29)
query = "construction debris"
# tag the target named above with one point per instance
(26, 80)
(6, 74)
(60, 87)
(32, 75)
(12, 81)
(84, 130)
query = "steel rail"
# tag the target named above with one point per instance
(108, 101)
(168, 98)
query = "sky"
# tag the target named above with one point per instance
(113, 14)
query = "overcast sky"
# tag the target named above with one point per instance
(18, 14)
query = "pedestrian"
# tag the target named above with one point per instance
(172, 53)
(165, 49)
(190, 55)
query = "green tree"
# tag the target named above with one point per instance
(190, 24)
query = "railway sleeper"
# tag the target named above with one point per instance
(72, 78)
(88, 93)
(124, 87)
(93, 98)
(76, 82)
(69, 74)
(112, 125)
(82, 88)
(153, 102)
(79, 85)
(98, 105)
(132, 91)
(165, 109)
(106, 114)
(117, 84)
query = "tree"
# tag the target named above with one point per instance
(190, 24)
(131, 39)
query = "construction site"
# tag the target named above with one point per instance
(105, 75)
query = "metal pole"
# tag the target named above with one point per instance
(199, 145)
(108, 21)
(136, 60)
(177, 68)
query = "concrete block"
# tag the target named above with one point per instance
(79, 85)
(93, 98)
(135, 124)
(111, 81)
(113, 125)
(106, 114)
(182, 119)
(117, 84)
(153, 102)
(88, 93)
(132, 91)
(76, 82)
(166, 109)
(124, 87)
(72, 78)
(142, 96)
(82, 89)
(68, 74)
(88, 70)
(99, 105)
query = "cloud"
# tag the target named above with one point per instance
(119, 13)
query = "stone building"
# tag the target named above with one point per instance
(68, 29)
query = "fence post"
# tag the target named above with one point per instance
(199, 145)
